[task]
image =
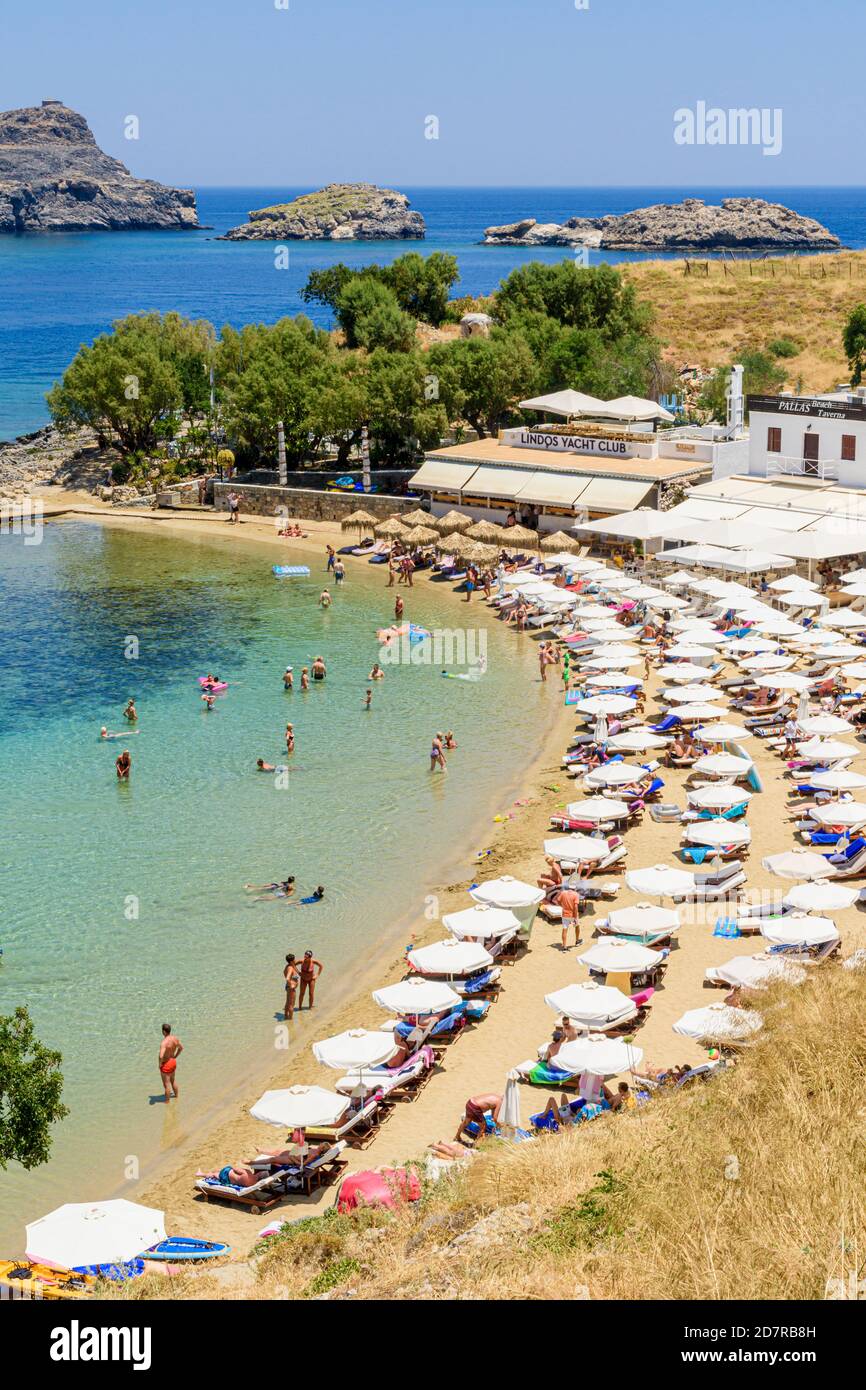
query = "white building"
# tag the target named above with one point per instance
(817, 437)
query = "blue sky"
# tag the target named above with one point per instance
(525, 91)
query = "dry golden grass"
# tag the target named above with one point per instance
(709, 318)
(751, 1186)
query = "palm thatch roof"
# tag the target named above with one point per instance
(486, 531)
(519, 536)
(455, 544)
(392, 527)
(560, 540)
(417, 518)
(421, 535)
(452, 521)
(360, 519)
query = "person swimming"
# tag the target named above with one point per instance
(262, 766)
(104, 733)
(377, 674)
(209, 700)
(283, 888)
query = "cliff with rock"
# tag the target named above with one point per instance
(737, 224)
(340, 212)
(55, 178)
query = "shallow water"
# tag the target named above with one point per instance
(123, 905)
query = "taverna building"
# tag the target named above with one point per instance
(592, 459)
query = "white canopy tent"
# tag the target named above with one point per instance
(565, 403)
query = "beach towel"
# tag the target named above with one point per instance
(727, 927)
(696, 854)
(544, 1074)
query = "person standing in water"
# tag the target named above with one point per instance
(398, 608)
(288, 679)
(305, 678)
(437, 755)
(291, 978)
(368, 699)
(130, 713)
(332, 555)
(290, 738)
(310, 971)
(169, 1050)
(325, 598)
(339, 571)
(319, 669)
(123, 766)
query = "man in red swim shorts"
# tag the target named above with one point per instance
(169, 1050)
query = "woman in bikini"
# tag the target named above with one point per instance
(292, 978)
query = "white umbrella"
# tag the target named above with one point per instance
(857, 590)
(801, 598)
(300, 1107)
(598, 1055)
(819, 637)
(667, 602)
(699, 711)
(767, 661)
(701, 637)
(492, 915)
(826, 750)
(600, 729)
(799, 864)
(844, 617)
(782, 627)
(717, 832)
(611, 680)
(792, 581)
(750, 646)
(798, 930)
(416, 997)
(597, 808)
(607, 637)
(577, 849)
(450, 957)
(854, 577)
(789, 680)
(94, 1233)
(509, 1110)
(718, 1023)
(355, 1049)
(616, 651)
(684, 672)
(606, 705)
(825, 724)
(615, 775)
(593, 1005)
(690, 650)
(725, 733)
(724, 765)
(660, 881)
(756, 972)
(678, 579)
(720, 798)
(823, 896)
(636, 741)
(616, 580)
(838, 651)
(838, 779)
(646, 919)
(688, 694)
(603, 663)
(612, 954)
(847, 813)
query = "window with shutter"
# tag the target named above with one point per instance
(774, 440)
(849, 447)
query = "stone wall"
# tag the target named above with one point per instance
(308, 504)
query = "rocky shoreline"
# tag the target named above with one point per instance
(339, 212)
(55, 178)
(737, 224)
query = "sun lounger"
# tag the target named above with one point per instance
(357, 1129)
(276, 1183)
(718, 883)
(400, 1084)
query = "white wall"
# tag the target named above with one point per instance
(794, 427)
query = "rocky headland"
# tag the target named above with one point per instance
(340, 212)
(737, 224)
(55, 178)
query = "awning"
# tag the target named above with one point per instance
(564, 403)
(552, 489)
(700, 509)
(442, 476)
(777, 518)
(614, 494)
(645, 525)
(488, 481)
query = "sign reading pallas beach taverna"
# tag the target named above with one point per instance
(575, 443)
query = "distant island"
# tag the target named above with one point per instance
(339, 212)
(738, 224)
(55, 178)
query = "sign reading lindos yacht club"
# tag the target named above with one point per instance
(575, 443)
(812, 406)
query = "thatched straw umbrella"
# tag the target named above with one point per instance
(486, 531)
(392, 529)
(421, 535)
(481, 554)
(417, 518)
(359, 520)
(455, 544)
(451, 521)
(519, 537)
(560, 540)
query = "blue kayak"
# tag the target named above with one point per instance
(186, 1248)
(291, 571)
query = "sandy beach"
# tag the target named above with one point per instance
(520, 1020)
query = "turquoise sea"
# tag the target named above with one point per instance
(122, 906)
(61, 290)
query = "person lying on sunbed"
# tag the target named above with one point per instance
(450, 1149)
(245, 1174)
(564, 1032)
(570, 1112)
(552, 880)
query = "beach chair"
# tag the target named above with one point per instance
(276, 1183)
(719, 882)
(358, 1129)
(392, 1084)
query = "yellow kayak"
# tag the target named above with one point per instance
(27, 1280)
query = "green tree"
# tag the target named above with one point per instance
(422, 284)
(31, 1084)
(854, 341)
(761, 377)
(325, 286)
(576, 296)
(147, 369)
(490, 374)
(370, 317)
(271, 372)
(405, 416)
